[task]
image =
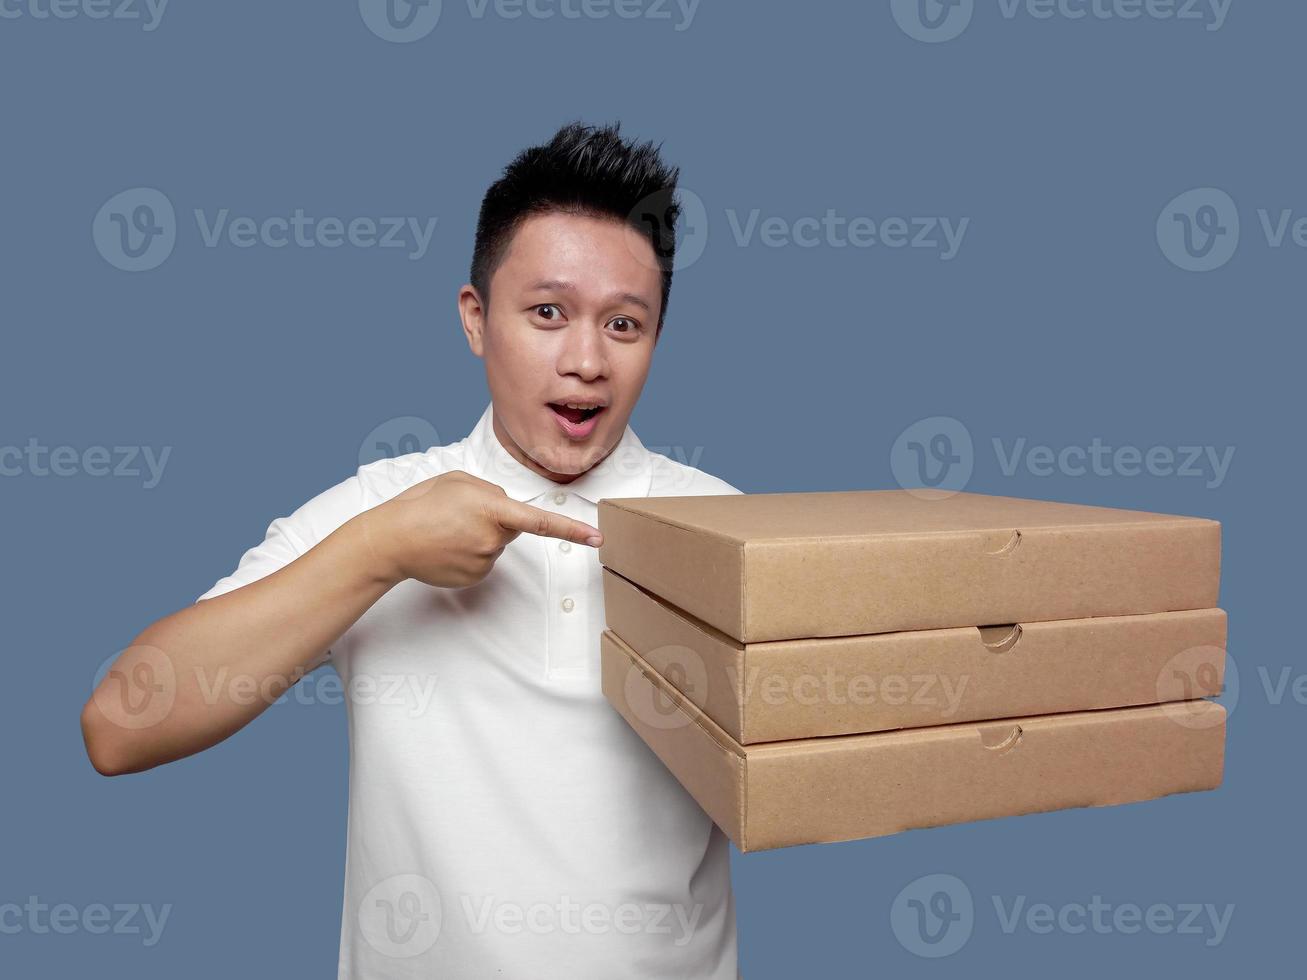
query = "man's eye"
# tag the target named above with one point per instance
(549, 316)
(633, 326)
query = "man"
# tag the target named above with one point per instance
(503, 819)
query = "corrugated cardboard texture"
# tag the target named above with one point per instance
(784, 689)
(849, 787)
(781, 566)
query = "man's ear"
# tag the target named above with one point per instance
(473, 314)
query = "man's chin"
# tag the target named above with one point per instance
(569, 461)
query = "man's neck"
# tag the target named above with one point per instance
(513, 449)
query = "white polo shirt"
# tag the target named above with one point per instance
(504, 821)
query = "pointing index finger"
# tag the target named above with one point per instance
(518, 516)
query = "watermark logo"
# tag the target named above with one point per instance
(941, 235)
(148, 12)
(136, 688)
(1206, 920)
(401, 916)
(404, 21)
(136, 229)
(1199, 230)
(687, 232)
(679, 231)
(937, 454)
(97, 919)
(588, 10)
(398, 437)
(933, 916)
(684, 669)
(933, 454)
(571, 917)
(411, 693)
(1210, 13)
(834, 688)
(36, 459)
(932, 21)
(1211, 464)
(1196, 673)
(400, 21)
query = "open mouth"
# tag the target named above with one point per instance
(577, 416)
(578, 421)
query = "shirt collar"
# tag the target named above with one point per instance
(627, 471)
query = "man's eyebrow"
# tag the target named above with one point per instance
(562, 285)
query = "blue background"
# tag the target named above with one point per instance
(1059, 320)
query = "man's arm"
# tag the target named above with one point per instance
(157, 702)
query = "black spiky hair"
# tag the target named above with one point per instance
(587, 170)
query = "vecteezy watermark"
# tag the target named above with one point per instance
(411, 692)
(405, 21)
(571, 917)
(682, 226)
(678, 228)
(35, 459)
(935, 916)
(401, 916)
(685, 671)
(1280, 685)
(1210, 672)
(1200, 230)
(98, 919)
(934, 21)
(396, 437)
(1209, 463)
(934, 453)
(138, 688)
(148, 12)
(1194, 674)
(836, 688)
(137, 229)
(1205, 920)
(938, 454)
(940, 235)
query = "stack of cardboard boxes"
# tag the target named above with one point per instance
(820, 667)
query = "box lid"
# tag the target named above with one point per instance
(791, 565)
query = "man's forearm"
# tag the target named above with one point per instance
(197, 676)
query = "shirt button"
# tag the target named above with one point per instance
(560, 498)
(568, 604)
(564, 546)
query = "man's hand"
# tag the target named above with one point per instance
(450, 530)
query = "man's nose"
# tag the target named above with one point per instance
(583, 352)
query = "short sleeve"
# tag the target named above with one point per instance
(279, 547)
(289, 537)
(672, 477)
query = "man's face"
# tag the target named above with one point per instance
(572, 319)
